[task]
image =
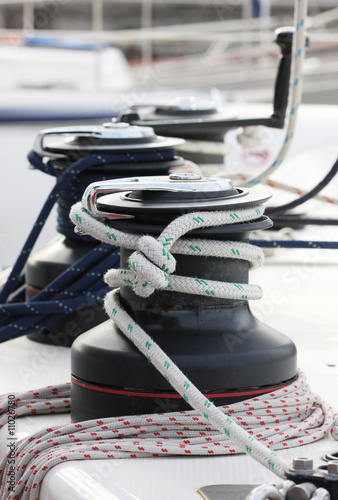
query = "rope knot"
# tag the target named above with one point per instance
(152, 264)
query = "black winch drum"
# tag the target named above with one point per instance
(218, 343)
(63, 146)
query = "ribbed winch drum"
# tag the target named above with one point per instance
(217, 343)
(115, 150)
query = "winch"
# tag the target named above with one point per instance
(204, 324)
(194, 118)
(87, 154)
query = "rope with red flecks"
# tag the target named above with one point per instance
(291, 416)
(47, 400)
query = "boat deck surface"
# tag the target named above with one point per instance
(300, 300)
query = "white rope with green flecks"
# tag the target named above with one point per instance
(213, 415)
(150, 268)
(152, 265)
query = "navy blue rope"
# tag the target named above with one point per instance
(294, 244)
(78, 183)
(294, 219)
(63, 180)
(81, 282)
(61, 296)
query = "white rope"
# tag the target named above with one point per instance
(290, 416)
(250, 135)
(151, 266)
(145, 275)
(296, 87)
(213, 415)
(295, 93)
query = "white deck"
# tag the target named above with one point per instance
(304, 308)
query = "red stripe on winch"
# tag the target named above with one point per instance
(171, 396)
(30, 288)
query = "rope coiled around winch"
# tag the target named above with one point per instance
(144, 276)
(81, 282)
(158, 276)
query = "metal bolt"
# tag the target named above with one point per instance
(332, 467)
(303, 491)
(185, 176)
(321, 494)
(302, 464)
(123, 130)
(115, 125)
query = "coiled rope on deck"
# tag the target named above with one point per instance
(290, 416)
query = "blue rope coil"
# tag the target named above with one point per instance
(81, 284)
(305, 244)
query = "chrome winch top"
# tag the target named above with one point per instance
(124, 198)
(183, 107)
(110, 136)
